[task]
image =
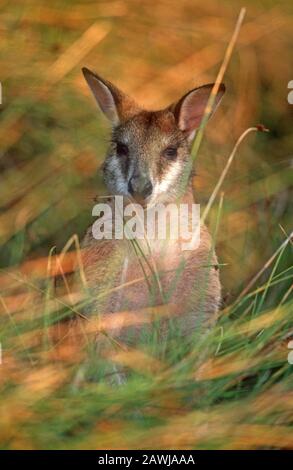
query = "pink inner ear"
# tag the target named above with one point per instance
(104, 98)
(103, 95)
(192, 109)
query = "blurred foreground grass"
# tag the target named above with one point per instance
(232, 388)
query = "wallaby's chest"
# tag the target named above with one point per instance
(133, 275)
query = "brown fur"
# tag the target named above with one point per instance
(108, 264)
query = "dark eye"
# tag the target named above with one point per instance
(122, 149)
(170, 153)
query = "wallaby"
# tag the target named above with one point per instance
(148, 156)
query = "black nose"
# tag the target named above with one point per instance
(143, 190)
(147, 190)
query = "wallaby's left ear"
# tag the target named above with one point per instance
(189, 110)
(115, 104)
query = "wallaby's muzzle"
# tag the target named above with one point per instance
(140, 186)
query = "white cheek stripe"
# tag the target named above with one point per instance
(169, 178)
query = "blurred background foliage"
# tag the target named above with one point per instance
(53, 141)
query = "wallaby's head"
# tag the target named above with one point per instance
(149, 150)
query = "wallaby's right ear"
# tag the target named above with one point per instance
(115, 104)
(189, 110)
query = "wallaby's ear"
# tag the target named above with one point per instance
(115, 104)
(189, 110)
